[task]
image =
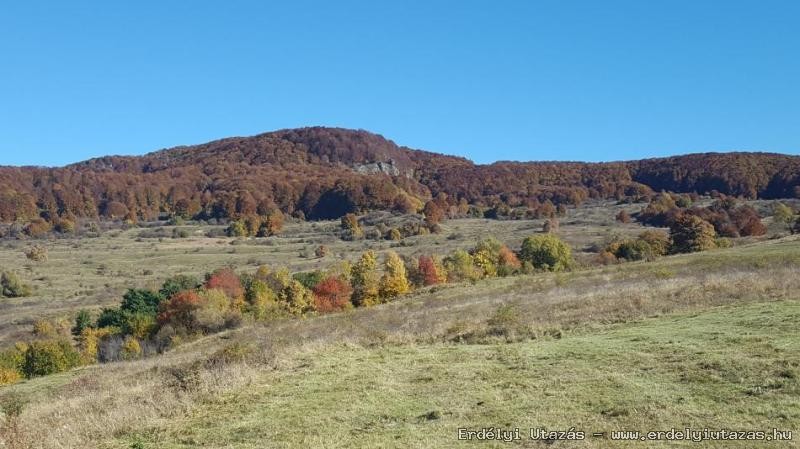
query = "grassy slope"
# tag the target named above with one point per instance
(731, 367)
(363, 375)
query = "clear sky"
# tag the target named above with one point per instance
(490, 80)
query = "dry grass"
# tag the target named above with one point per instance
(94, 272)
(98, 404)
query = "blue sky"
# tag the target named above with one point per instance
(504, 80)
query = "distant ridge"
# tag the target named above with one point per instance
(320, 172)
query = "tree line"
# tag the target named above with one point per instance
(325, 173)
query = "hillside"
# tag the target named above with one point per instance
(319, 173)
(699, 340)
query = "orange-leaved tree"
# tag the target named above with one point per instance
(332, 294)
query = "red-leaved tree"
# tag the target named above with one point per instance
(332, 294)
(226, 280)
(428, 271)
(179, 309)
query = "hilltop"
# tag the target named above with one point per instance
(321, 173)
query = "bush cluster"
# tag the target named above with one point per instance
(647, 246)
(253, 225)
(183, 308)
(726, 215)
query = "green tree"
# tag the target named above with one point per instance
(309, 279)
(177, 284)
(83, 320)
(141, 301)
(546, 252)
(111, 317)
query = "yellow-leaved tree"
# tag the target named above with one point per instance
(364, 279)
(394, 281)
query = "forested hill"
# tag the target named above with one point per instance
(327, 172)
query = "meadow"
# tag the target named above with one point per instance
(696, 340)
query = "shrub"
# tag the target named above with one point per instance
(83, 320)
(634, 250)
(297, 299)
(111, 317)
(261, 300)
(12, 287)
(277, 280)
(215, 312)
(141, 301)
(48, 357)
(37, 253)
(44, 328)
(332, 294)
(433, 213)
(658, 241)
(9, 376)
(690, 233)
(309, 279)
(723, 242)
(504, 321)
(351, 230)
(460, 267)
(11, 361)
(226, 280)
(12, 433)
(623, 217)
(131, 349)
(605, 258)
(783, 215)
(507, 262)
(177, 284)
(179, 310)
(364, 279)
(236, 229)
(394, 234)
(550, 226)
(394, 281)
(89, 342)
(271, 225)
(485, 256)
(321, 251)
(546, 252)
(429, 272)
(752, 227)
(36, 228)
(139, 325)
